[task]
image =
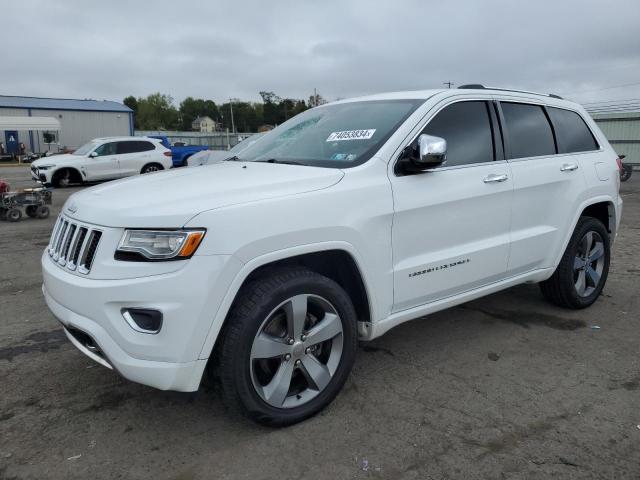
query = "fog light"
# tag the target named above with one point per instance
(143, 320)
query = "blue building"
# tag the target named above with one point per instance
(80, 121)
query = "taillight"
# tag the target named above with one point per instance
(167, 154)
(619, 162)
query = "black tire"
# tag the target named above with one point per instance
(42, 212)
(3, 213)
(14, 214)
(625, 173)
(151, 167)
(561, 288)
(65, 177)
(252, 306)
(30, 210)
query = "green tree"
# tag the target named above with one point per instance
(191, 108)
(132, 103)
(157, 112)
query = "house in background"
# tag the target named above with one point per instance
(204, 124)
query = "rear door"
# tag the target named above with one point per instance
(133, 155)
(451, 224)
(104, 166)
(546, 184)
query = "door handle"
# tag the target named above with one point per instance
(494, 178)
(568, 167)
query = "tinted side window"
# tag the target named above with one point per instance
(466, 127)
(134, 146)
(572, 133)
(530, 133)
(106, 149)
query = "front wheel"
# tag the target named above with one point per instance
(583, 269)
(14, 214)
(151, 167)
(288, 346)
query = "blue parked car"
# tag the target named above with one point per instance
(179, 153)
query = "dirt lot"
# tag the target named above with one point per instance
(503, 387)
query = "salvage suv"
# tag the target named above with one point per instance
(265, 270)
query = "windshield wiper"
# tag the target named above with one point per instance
(278, 160)
(235, 158)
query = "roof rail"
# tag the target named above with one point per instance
(479, 86)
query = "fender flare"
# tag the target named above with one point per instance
(579, 210)
(257, 262)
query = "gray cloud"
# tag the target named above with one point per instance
(228, 49)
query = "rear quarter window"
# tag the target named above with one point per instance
(572, 133)
(529, 131)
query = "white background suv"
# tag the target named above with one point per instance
(343, 222)
(103, 159)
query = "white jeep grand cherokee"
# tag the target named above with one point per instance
(340, 224)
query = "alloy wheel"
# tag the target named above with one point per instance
(588, 263)
(296, 351)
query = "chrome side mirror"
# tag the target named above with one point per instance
(432, 151)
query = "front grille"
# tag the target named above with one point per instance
(74, 245)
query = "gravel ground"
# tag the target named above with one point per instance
(503, 387)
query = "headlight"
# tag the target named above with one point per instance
(161, 244)
(44, 167)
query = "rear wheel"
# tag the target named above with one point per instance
(42, 212)
(151, 167)
(288, 346)
(30, 210)
(583, 269)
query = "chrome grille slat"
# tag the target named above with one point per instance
(56, 249)
(78, 246)
(74, 245)
(54, 235)
(66, 244)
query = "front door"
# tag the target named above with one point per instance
(104, 165)
(11, 140)
(451, 226)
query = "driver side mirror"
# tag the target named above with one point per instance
(432, 151)
(93, 154)
(428, 152)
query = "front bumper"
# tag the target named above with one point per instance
(168, 360)
(38, 176)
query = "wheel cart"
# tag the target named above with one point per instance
(34, 201)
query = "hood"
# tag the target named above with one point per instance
(63, 159)
(169, 199)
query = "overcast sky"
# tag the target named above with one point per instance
(219, 49)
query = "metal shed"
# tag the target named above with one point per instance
(622, 129)
(80, 121)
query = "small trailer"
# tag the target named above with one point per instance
(33, 200)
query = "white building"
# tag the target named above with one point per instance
(80, 121)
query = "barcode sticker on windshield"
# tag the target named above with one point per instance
(351, 135)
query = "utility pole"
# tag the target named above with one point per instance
(233, 126)
(448, 84)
